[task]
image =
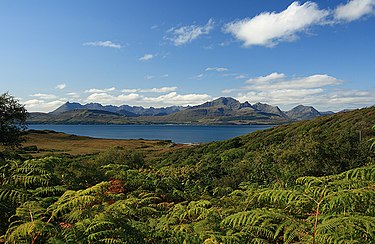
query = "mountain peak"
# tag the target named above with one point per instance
(67, 107)
(302, 112)
(228, 102)
(266, 108)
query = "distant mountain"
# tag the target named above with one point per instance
(265, 108)
(80, 116)
(327, 113)
(227, 102)
(227, 110)
(346, 110)
(302, 113)
(68, 106)
(126, 110)
(224, 110)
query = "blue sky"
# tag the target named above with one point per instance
(161, 53)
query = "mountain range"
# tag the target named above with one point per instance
(224, 110)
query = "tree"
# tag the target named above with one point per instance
(13, 117)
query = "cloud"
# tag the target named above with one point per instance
(276, 81)
(177, 99)
(106, 98)
(186, 34)
(44, 96)
(103, 44)
(227, 91)
(198, 77)
(320, 90)
(218, 69)
(172, 98)
(240, 77)
(152, 90)
(38, 105)
(150, 77)
(271, 77)
(73, 95)
(160, 90)
(354, 9)
(94, 90)
(146, 57)
(129, 90)
(61, 86)
(270, 28)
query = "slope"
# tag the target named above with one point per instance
(325, 145)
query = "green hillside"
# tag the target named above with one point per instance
(305, 182)
(325, 145)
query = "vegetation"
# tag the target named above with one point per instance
(13, 117)
(306, 182)
(43, 143)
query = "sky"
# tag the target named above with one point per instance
(163, 53)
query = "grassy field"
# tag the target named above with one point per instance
(42, 143)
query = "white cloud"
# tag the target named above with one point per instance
(94, 90)
(218, 69)
(61, 86)
(198, 77)
(320, 90)
(240, 77)
(276, 81)
(129, 90)
(106, 98)
(37, 105)
(103, 44)
(160, 90)
(185, 34)
(354, 9)
(177, 99)
(152, 90)
(73, 95)
(270, 28)
(44, 96)
(228, 91)
(150, 77)
(172, 98)
(271, 77)
(146, 57)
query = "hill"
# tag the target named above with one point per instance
(303, 112)
(224, 110)
(80, 116)
(322, 146)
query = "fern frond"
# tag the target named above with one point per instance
(48, 191)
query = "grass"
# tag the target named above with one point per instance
(42, 143)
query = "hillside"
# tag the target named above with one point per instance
(324, 145)
(79, 116)
(224, 110)
(308, 181)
